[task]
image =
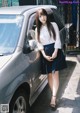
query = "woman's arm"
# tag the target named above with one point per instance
(57, 41)
(54, 55)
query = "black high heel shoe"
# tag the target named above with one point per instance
(53, 106)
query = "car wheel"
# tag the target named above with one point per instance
(19, 102)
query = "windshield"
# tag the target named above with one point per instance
(10, 27)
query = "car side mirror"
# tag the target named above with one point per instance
(29, 46)
(32, 44)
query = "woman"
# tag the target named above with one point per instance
(53, 60)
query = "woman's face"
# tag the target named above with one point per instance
(43, 18)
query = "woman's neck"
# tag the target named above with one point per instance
(44, 24)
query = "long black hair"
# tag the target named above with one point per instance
(49, 25)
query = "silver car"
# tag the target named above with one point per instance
(21, 80)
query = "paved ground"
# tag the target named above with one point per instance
(68, 94)
(78, 57)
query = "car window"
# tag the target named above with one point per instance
(31, 21)
(30, 31)
(10, 27)
(30, 42)
(31, 27)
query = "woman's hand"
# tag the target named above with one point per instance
(48, 58)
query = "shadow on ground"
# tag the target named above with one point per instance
(65, 76)
(41, 105)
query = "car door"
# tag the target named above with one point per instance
(34, 57)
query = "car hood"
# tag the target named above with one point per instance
(4, 60)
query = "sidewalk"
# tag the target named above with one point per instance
(78, 57)
(70, 96)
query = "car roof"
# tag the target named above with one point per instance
(22, 9)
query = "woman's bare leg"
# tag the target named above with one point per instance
(55, 86)
(50, 81)
(53, 80)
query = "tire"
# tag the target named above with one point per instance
(19, 102)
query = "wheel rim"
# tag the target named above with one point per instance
(19, 105)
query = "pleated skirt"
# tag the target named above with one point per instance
(57, 64)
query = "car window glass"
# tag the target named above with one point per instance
(10, 27)
(31, 27)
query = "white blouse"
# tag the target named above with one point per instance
(46, 39)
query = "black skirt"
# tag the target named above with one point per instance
(57, 64)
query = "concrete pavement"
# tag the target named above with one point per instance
(68, 94)
(70, 98)
(78, 57)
